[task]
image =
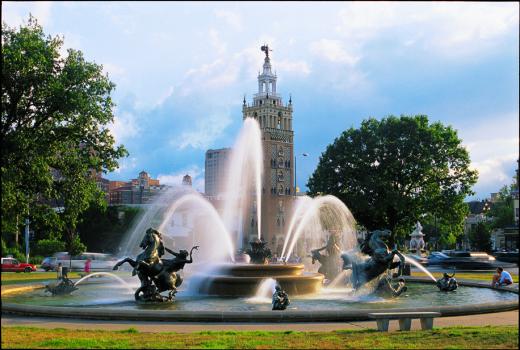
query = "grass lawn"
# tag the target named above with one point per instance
(480, 276)
(22, 277)
(496, 337)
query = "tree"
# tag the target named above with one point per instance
(55, 112)
(47, 247)
(391, 173)
(501, 213)
(480, 237)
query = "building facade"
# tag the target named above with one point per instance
(136, 191)
(216, 168)
(275, 119)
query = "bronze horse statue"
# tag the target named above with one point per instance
(157, 275)
(381, 259)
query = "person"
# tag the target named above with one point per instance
(88, 262)
(501, 278)
(59, 271)
(280, 299)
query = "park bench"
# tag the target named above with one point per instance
(405, 319)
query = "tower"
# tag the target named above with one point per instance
(278, 190)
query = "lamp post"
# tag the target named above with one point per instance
(295, 184)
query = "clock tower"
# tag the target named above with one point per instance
(275, 120)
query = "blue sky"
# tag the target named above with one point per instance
(182, 69)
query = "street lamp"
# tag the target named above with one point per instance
(295, 184)
(27, 240)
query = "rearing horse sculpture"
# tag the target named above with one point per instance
(157, 275)
(381, 259)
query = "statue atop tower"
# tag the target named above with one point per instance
(265, 48)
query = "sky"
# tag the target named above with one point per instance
(182, 69)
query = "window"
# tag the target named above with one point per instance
(280, 175)
(280, 190)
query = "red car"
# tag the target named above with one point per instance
(12, 265)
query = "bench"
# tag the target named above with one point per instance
(405, 319)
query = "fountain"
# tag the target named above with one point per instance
(417, 238)
(215, 287)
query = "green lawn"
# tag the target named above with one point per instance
(503, 337)
(480, 276)
(22, 277)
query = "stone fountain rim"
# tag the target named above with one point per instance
(247, 316)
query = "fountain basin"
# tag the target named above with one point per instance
(246, 286)
(267, 270)
(242, 280)
(471, 298)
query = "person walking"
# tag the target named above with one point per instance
(88, 263)
(59, 271)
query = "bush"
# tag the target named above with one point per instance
(6, 251)
(47, 247)
(36, 260)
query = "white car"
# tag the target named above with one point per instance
(98, 261)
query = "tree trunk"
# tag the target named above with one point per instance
(17, 232)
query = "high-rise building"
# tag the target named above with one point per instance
(278, 190)
(215, 174)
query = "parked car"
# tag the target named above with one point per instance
(99, 261)
(420, 259)
(464, 260)
(49, 263)
(12, 265)
(511, 257)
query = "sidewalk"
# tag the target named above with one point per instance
(494, 319)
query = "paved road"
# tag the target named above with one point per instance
(501, 318)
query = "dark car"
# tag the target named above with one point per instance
(49, 263)
(420, 259)
(463, 260)
(511, 257)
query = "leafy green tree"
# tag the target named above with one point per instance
(480, 237)
(103, 228)
(392, 172)
(501, 211)
(55, 112)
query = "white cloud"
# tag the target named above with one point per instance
(17, 13)
(165, 96)
(113, 70)
(205, 131)
(493, 149)
(333, 50)
(231, 18)
(124, 126)
(175, 179)
(445, 28)
(126, 164)
(298, 67)
(216, 41)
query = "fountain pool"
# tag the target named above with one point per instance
(99, 300)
